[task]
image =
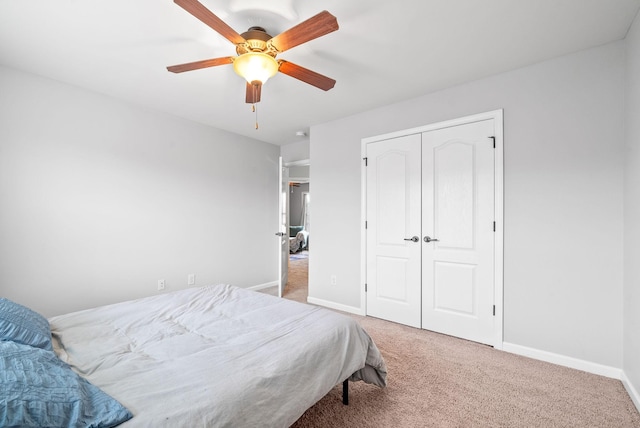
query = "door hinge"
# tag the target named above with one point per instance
(365, 287)
(494, 226)
(366, 224)
(366, 161)
(494, 310)
(494, 141)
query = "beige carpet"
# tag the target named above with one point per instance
(297, 283)
(440, 381)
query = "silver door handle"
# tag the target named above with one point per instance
(279, 233)
(430, 239)
(412, 239)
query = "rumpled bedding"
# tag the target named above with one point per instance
(216, 356)
(299, 242)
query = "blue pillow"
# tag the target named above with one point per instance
(22, 325)
(40, 390)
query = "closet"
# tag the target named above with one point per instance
(431, 227)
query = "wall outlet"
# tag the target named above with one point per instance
(161, 284)
(334, 280)
(191, 279)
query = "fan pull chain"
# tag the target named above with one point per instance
(255, 110)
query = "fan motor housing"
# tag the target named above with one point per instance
(257, 38)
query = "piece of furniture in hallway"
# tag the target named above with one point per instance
(298, 239)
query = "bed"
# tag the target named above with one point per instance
(215, 356)
(298, 239)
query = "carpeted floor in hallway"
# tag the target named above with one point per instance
(297, 287)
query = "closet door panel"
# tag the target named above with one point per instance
(457, 216)
(393, 217)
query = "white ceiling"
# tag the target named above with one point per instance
(384, 52)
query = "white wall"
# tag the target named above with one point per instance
(100, 199)
(296, 202)
(632, 215)
(295, 151)
(564, 136)
(300, 172)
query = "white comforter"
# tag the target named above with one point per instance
(299, 242)
(216, 356)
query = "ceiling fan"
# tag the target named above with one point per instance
(257, 50)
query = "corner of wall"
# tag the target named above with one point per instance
(631, 390)
(631, 281)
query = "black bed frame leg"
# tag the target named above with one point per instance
(345, 392)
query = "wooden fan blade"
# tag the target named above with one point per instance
(195, 8)
(314, 27)
(254, 91)
(200, 64)
(304, 74)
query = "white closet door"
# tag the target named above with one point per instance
(458, 211)
(393, 216)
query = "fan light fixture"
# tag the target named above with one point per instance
(257, 50)
(255, 66)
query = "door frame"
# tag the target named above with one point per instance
(497, 116)
(283, 232)
(283, 250)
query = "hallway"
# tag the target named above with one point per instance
(297, 287)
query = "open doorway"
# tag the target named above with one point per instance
(300, 232)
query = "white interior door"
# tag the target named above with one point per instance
(283, 227)
(458, 220)
(393, 220)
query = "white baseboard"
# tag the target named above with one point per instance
(563, 360)
(337, 306)
(263, 286)
(633, 393)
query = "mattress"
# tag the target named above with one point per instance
(216, 356)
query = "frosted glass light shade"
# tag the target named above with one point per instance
(255, 66)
